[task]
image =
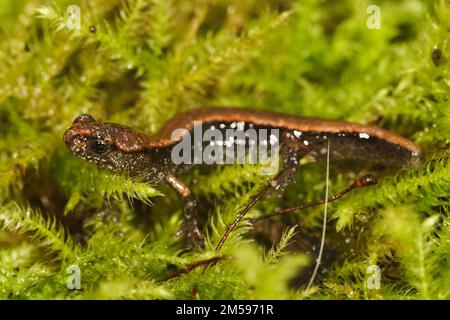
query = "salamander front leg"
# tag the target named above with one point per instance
(190, 226)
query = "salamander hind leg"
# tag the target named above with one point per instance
(291, 152)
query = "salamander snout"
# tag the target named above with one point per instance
(68, 136)
(80, 126)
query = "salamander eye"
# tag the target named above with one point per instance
(99, 146)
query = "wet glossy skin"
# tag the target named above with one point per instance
(116, 148)
(127, 149)
(122, 149)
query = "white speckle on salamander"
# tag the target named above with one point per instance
(305, 142)
(297, 133)
(364, 136)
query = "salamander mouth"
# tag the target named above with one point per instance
(76, 141)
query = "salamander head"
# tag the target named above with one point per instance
(112, 146)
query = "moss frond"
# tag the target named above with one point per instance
(48, 232)
(83, 182)
(139, 62)
(432, 180)
(413, 241)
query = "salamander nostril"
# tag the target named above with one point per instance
(84, 118)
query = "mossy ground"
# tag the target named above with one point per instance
(139, 62)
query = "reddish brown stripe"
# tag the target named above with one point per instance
(276, 120)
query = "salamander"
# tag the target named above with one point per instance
(119, 148)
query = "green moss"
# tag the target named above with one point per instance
(139, 62)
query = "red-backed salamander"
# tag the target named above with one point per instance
(122, 149)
